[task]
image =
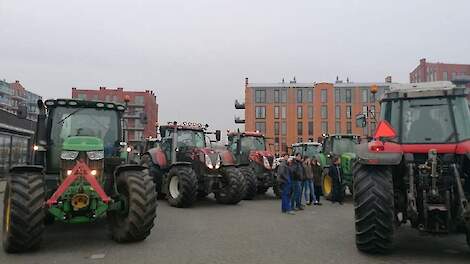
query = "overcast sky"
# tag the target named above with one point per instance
(195, 54)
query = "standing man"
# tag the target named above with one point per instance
(336, 175)
(297, 176)
(316, 168)
(284, 179)
(307, 183)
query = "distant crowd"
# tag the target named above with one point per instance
(300, 177)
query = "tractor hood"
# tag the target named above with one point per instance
(259, 155)
(83, 143)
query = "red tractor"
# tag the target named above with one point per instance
(254, 161)
(185, 167)
(417, 168)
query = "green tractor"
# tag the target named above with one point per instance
(343, 146)
(79, 174)
(307, 149)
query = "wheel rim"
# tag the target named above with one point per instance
(327, 184)
(174, 186)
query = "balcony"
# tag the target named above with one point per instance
(131, 115)
(239, 105)
(140, 128)
(239, 120)
(5, 90)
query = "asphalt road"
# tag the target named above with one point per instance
(251, 232)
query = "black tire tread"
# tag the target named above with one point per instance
(251, 182)
(374, 208)
(235, 188)
(27, 194)
(188, 186)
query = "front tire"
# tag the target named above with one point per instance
(23, 212)
(135, 222)
(182, 186)
(251, 182)
(374, 208)
(233, 187)
(327, 184)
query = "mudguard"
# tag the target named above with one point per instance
(26, 168)
(128, 167)
(158, 157)
(227, 158)
(391, 155)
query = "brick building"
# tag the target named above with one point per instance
(428, 71)
(294, 112)
(141, 116)
(14, 94)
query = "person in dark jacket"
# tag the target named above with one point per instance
(337, 177)
(316, 168)
(307, 184)
(297, 176)
(284, 179)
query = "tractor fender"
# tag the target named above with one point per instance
(27, 168)
(128, 167)
(227, 158)
(158, 157)
(180, 163)
(391, 155)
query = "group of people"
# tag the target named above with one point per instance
(301, 176)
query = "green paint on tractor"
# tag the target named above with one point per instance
(83, 143)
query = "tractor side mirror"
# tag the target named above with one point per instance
(22, 111)
(361, 120)
(218, 135)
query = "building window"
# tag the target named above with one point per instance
(348, 112)
(261, 127)
(337, 95)
(309, 95)
(337, 112)
(283, 145)
(283, 112)
(364, 95)
(364, 110)
(283, 128)
(453, 75)
(139, 100)
(310, 128)
(260, 96)
(324, 112)
(276, 112)
(444, 76)
(372, 110)
(310, 112)
(372, 98)
(299, 112)
(138, 135)
(276, 129)
(372, 128)
(276, 96)
(365, 130)
(299, 96)
(82, 96)
(338, 127)
(284, 96)
(324, 95)
(260, 112)
(300, 128)
(348, 96)
(324, 127)
(348, 127)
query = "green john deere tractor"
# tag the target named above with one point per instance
(342, 145)
(79, 174)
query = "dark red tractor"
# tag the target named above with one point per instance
(185, 167)
(254, 161)
(416, 170)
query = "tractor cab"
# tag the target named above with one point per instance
(248, 145)
(309, 149)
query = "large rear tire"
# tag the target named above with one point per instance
(182, 186)
(327, 184)
(374, 208)
(234, 186)
(23, 212)
(251, 182)
(135, 222)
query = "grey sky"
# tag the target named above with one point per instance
(195, 54)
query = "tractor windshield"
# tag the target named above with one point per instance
(100, 123)
(344, 145)
(307, 150)
(430, 120)
(252, 143)
(191, 138)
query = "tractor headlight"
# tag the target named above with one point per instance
(266, 163)
(95, 155)
(218, 162)
(208, 161)
(69, 155)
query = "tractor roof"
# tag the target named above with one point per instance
(184, 126)
(76, 103)
(246, 133)
(428, 89)
(306, 143)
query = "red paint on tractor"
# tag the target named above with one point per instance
(80, 170)
(160, 158)
(391, 147)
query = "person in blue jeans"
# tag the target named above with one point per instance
(284, 179)
(297, 173)
(307, 183)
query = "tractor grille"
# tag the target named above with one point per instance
(92, 164)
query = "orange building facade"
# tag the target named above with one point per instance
(295, 112)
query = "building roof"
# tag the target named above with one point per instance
(281, 85)
(361, 84)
